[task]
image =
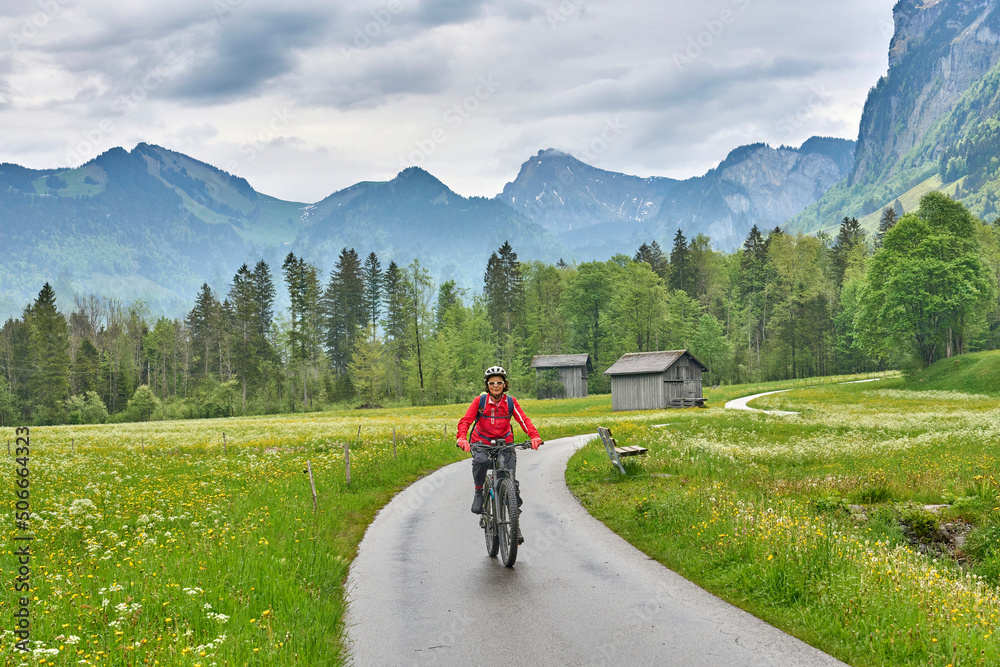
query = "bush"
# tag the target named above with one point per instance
(142, 404)
(550, 384)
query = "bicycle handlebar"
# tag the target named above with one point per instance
(479, 447)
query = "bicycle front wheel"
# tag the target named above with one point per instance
(490, 523)
(507, 522)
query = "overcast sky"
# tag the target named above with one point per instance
(306, 98)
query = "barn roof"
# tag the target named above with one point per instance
(649, 362)
(561, 361)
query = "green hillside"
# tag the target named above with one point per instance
(976, 373)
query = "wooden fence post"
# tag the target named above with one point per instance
(313, 485)
(224, 442)
(393, 442)
(142, 443)
(347, 462)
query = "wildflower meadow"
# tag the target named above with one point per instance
(197, 542)
(867, 524)
(201, 543)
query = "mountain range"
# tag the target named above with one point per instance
(155, 224)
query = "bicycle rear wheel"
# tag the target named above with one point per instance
(507, 522)
(490, 522)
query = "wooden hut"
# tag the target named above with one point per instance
(656, 380)
(573, 370)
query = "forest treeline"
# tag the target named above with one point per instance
(782, 306)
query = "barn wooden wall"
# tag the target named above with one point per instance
(638, 391)
(575, 380)
(678, 386)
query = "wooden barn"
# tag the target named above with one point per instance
(656, 380)
(573, 371)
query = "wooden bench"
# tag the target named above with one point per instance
(614, 451)
(687, 402)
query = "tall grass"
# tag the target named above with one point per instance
(815, 522)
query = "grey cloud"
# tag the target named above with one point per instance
(248, 52)
(444, 12)
(371, 85)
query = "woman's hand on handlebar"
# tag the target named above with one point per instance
(463, 444)
(536, 443)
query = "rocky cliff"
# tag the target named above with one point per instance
(939, 49)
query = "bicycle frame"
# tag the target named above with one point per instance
(501, 533)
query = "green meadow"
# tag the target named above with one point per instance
(197, 542)
(867, 525)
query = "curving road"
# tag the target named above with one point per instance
(422, 590)
(741, 403)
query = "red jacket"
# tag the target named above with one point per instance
(495, 422)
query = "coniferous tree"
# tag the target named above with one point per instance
(753, 282)
(503, 293)
(204, 321)
(851, 236)
(885, 223)
(49, 355)
(372, 274)
(345, 304)
(263, 294)
(305, 317)
(246, 339)
(680, 260)
(653, 255)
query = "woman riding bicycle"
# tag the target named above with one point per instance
(489, 416)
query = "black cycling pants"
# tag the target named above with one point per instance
(481, 463)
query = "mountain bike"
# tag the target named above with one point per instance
(499, 519)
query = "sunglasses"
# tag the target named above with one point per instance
(496, 384)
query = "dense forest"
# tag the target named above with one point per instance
(782, 306)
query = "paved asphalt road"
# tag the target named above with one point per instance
(741, 403)
(423, 591)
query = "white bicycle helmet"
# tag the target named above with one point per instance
(495, 370)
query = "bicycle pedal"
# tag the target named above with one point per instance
(520, 538)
